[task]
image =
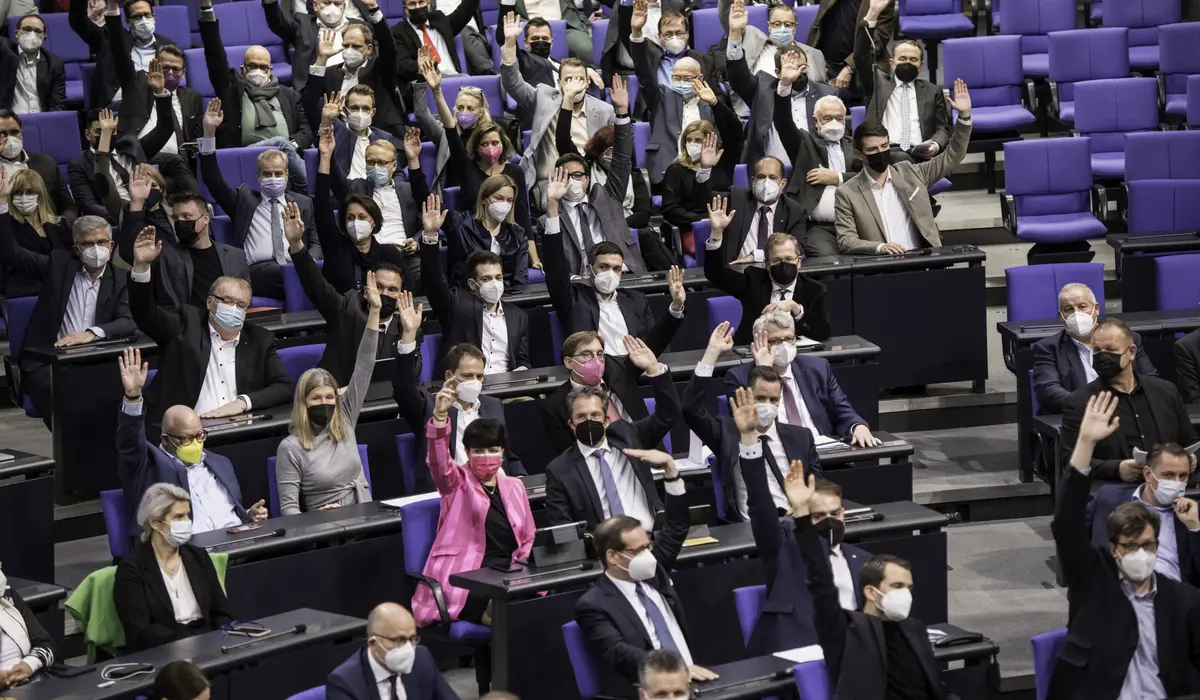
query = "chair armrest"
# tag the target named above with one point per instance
(1008, 212)
(439, 598)
(1162, 89)
(1074, 133)
(1028, 98)
(1055, 107)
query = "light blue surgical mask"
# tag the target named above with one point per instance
(782, 37)
(378, 175)
(229, 317)
(684, 88)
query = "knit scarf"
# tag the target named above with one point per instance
(261, 98)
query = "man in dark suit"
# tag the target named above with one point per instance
(757, 213)
(178, 459)
(14, 156)
(1062, 363)
(191, 372)
(257, 217)
(537, 68)
(779, 285)
(104, 194)
(832, 32)
(1131, 633)
(591, 213)
(82, 298)
(373, 75)
(1151, 410)
(31, 78)
(1187, 366)
(392, 657)
(886, 92)
(465, 365)
(811, 394)
(633, 608)
(191, 262)
(424, 26)
(595, 478)
(617, 56)
(140, 42)
(763, 392)
(1166, 472)
(351, 116)
(846, 560)
(328, 24)
(255, 83)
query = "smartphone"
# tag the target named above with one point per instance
(65, 671)
(239, 529)
(505, 568)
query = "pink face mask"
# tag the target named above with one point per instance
(491, 154)
(484, 467)
(592, 371)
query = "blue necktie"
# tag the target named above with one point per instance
(661, 630)
(610, 486)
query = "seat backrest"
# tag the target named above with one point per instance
(756, 16)
(599, 31)
(406, 448)
(1177, 281)
(1087, 54)
(650, 404)
(1033, 17)
(749, 601)
(294, 297)
(420, 527)
(116, 522)
(1141, 14)
(724, 309)
(1048, 176)
(1033, 289)
(172, 22)
(19, 311)
(708, 31)
(431, 347)
(587, 674)
(741, 175)
(1162, 155)
(244, 24)
(56, 134)
(641, 136)
(298, 359)
(1177, 54)
(812, 678)
(701, 230)
(806, 15)
(1119, 105)
(1193, 100)
(911, 8)
(556, 336)
(1045, 655)
(490, 84)
(990, 65)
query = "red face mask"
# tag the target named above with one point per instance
(491, 154)
(484, 467)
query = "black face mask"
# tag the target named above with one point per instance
(540, 48)
(784, 273)
(879, 162)
(387, 307)
(186, 233)
(154, 198)
(906, 72)
(589, 432)
(418, 16)
(1106, 364)
(801, 83)
(320, 415)
(832, 530)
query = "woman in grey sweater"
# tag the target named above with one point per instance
(317, 466)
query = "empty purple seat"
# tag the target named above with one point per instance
(1177, 281)
(641, 138)
(1143, 17)
(1162, 178)
(298, 359)
(294, 298)
(1048, 184)
(1033, 20)
(55, 134)
(934, 19)
(1045, 656)
(116, 522)
(1193, 101)
(1178, 60)
(583, 664)
(722, 309)
(812, 679)
(1084, 54)
(244, 24)
(708, 31)
(748, 602)
(991, 68)
(239, 166)
(431, 347)
(1107, 110)
(490, 84)
(599, 31)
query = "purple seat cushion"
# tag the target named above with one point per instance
(1036, 65)
(1000, 118)
(1145, 57)
(1177, 104)
(470, 633)
(1059, 228)
(1109, 165)
(937, 26)
(1066, 111)
(940, 186)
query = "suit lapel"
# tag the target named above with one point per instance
(107, 280)
(589, 486)
(154, 577)
(477, 320)
(625, 302)
(512, 323)
(924, 653)
(811, 401)
(70, 270)
(621, 604)
(864, 191)
(1071, 352)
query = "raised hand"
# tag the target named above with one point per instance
(108, 121)
(710, 155)
(325, 141)
(213, 117)
(331, 107)
(371, 292)
(789, 68)
(877, 7)
(410, 316)
(444, 400)
(676, 288)
(293, 226)
(512, 27)
(962, 98)
(641, 11)
(704, 91)
(721, 339)
(556, 185)
(133, 372)
(325, 46)
(412, 144)
(429, 70)
(432, 215)
(738, 19)
(640, 355)
(761, 350)
(745, 416)
(146, 249)
(655, 458)
(619, 94)
(140, 185)
(154, 76)
(717, 216)
(1099, 418)
(799, 490)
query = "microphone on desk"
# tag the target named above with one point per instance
(298, 629)
(280, 532)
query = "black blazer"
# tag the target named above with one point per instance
(380, 75)
(1170, 414)
(408, 41)
(137, 99)
(1058, 372)
(571, 495)
(611, 626)
(144, 605)
(184, 343)
(57, 272)
(1102, 628)
(230, 85)
(1187, 366)
(107, 80)
(722, 436)
(465, 235)
(790, 217)
(758, 91)
(58, 236)
(173, 270)
(808, 151)
(663, 106)
(877, 86)
(301, 32)
(461, 313)
(753, 286)
(534, 69)
(620, 378)
(1105, 501)
(853, 642)
(683, 201)
(354, 679)
(45, 166)
(345, 267)
(51, 77)
(416, 408)
(94, 194)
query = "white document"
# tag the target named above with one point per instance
(802, 655)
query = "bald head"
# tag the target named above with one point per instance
(181, 420)
(391, 620)
(256, 58)
(686, 68)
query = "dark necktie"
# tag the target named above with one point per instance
(764, 227)
(277, 234)
(585, 224)
(392, 680)
(121, 171)
(610, 486)
(783, 294)
(770, 459)
(180, 139)
(657, 620)
(792, 406)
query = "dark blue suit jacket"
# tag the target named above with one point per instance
(354, 680)
(141, 464)
(1105, 500)
(831, 411)
(1058, 372)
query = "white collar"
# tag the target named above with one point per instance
(628, 588)
(219, 341)
(474, 408)
(1137, 496)
(381, 673)
(577, 385)
(887, 179)
(498, 312)
(836, 550)
(900, 83)
(775, 287)
(36, 56)
(588, 450)
(772, 432)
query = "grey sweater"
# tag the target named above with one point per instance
(331, 472)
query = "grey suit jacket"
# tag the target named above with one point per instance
(433, 130)
(858, 222)
(544, 102)
(754, 40)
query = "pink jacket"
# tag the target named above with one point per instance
(460, 541)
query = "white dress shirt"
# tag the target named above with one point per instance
(183, 598)
(766, 60)
(358, 161)
(753, 452)
(81, 305)
(466, 416)
(837, 163)
(842, 579)
(446, 65)
(259, 247)
(25, 96)
(495, 340)
(548, 10)
(172, 146)
(1085, 356)
(629, 489)
(1167, 561)
(897, 227)
(391, 231)
(799, 118)
(691, 112)
(383, 680)
(893, 114)
(629, 590)
(125, 162)
(612, 399)
(750, 244)
(220, 379)
(613, 328)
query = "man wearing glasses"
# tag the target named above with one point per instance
(210, 360)
(393, 664)
(179, 459)
(31, 78)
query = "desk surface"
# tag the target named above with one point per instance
(37, 595)
(202, 650)
(732, 540)
(24, 464)
(1154, 322)
(303, 530)
(944, 256)
(892, 447)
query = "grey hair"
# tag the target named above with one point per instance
(1076, 287)
(779, 319)
(85, 224)
(156, 502)
(827, 101)
(660, 661)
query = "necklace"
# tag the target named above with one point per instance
(170, 578)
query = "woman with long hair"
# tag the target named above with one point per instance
(491, 226)
(471, 111)
(35, 226)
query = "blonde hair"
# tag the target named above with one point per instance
(312, 379)
(24, 181)
(699, 125)
(156, 503)
(491, 186)
(478, 95)
(270, 154)
(387, 146)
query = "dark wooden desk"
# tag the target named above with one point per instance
(43, 600)
(27, 514)
(274, 668)
(1135, 254)
(705, 578)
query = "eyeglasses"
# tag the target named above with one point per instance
(782, 25)
(471, 90)
(587, 356)
(32, 30)
(1131, 547)
(184, 440)
(790, 340)
(648, 548)
(415, 639)
(577, 177)
(379, 163)
(231, 302)
(173, 70)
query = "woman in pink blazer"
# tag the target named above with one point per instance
(485, 517)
